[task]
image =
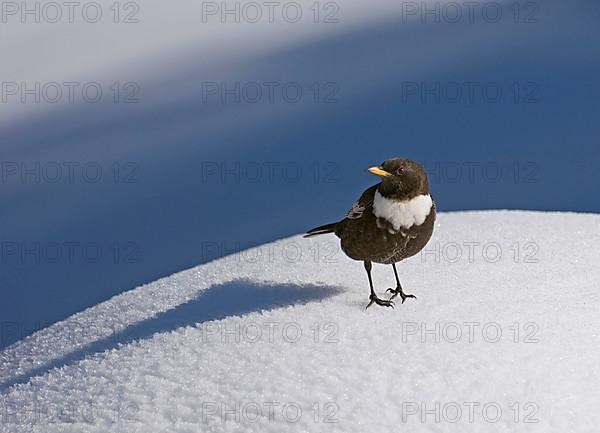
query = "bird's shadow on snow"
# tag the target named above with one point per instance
(234, 298)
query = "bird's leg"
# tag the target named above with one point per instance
(398, 290)
(373, 298)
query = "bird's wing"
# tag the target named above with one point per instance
(356, 212)
(363, 204)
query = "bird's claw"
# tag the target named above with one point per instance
(381, 302)
(398, 291)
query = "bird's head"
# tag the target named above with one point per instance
(401, 179)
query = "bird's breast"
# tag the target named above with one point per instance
(402, 214)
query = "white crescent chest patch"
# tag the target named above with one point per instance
(402, 214)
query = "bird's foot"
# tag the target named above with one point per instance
(398, 291)
(381, 302)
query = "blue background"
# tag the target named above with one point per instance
(177, 215)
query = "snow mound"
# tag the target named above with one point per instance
(503, 337)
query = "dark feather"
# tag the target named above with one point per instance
(321, 230)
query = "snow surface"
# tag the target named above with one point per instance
(166, 33)
(168, 369)
(171, 135)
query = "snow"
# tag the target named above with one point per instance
(272, 328)
(172, 136)
(98, 53)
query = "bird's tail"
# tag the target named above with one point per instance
(321, 230)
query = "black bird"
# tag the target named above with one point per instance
(391, 221)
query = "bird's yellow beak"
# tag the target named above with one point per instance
(379, 172)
